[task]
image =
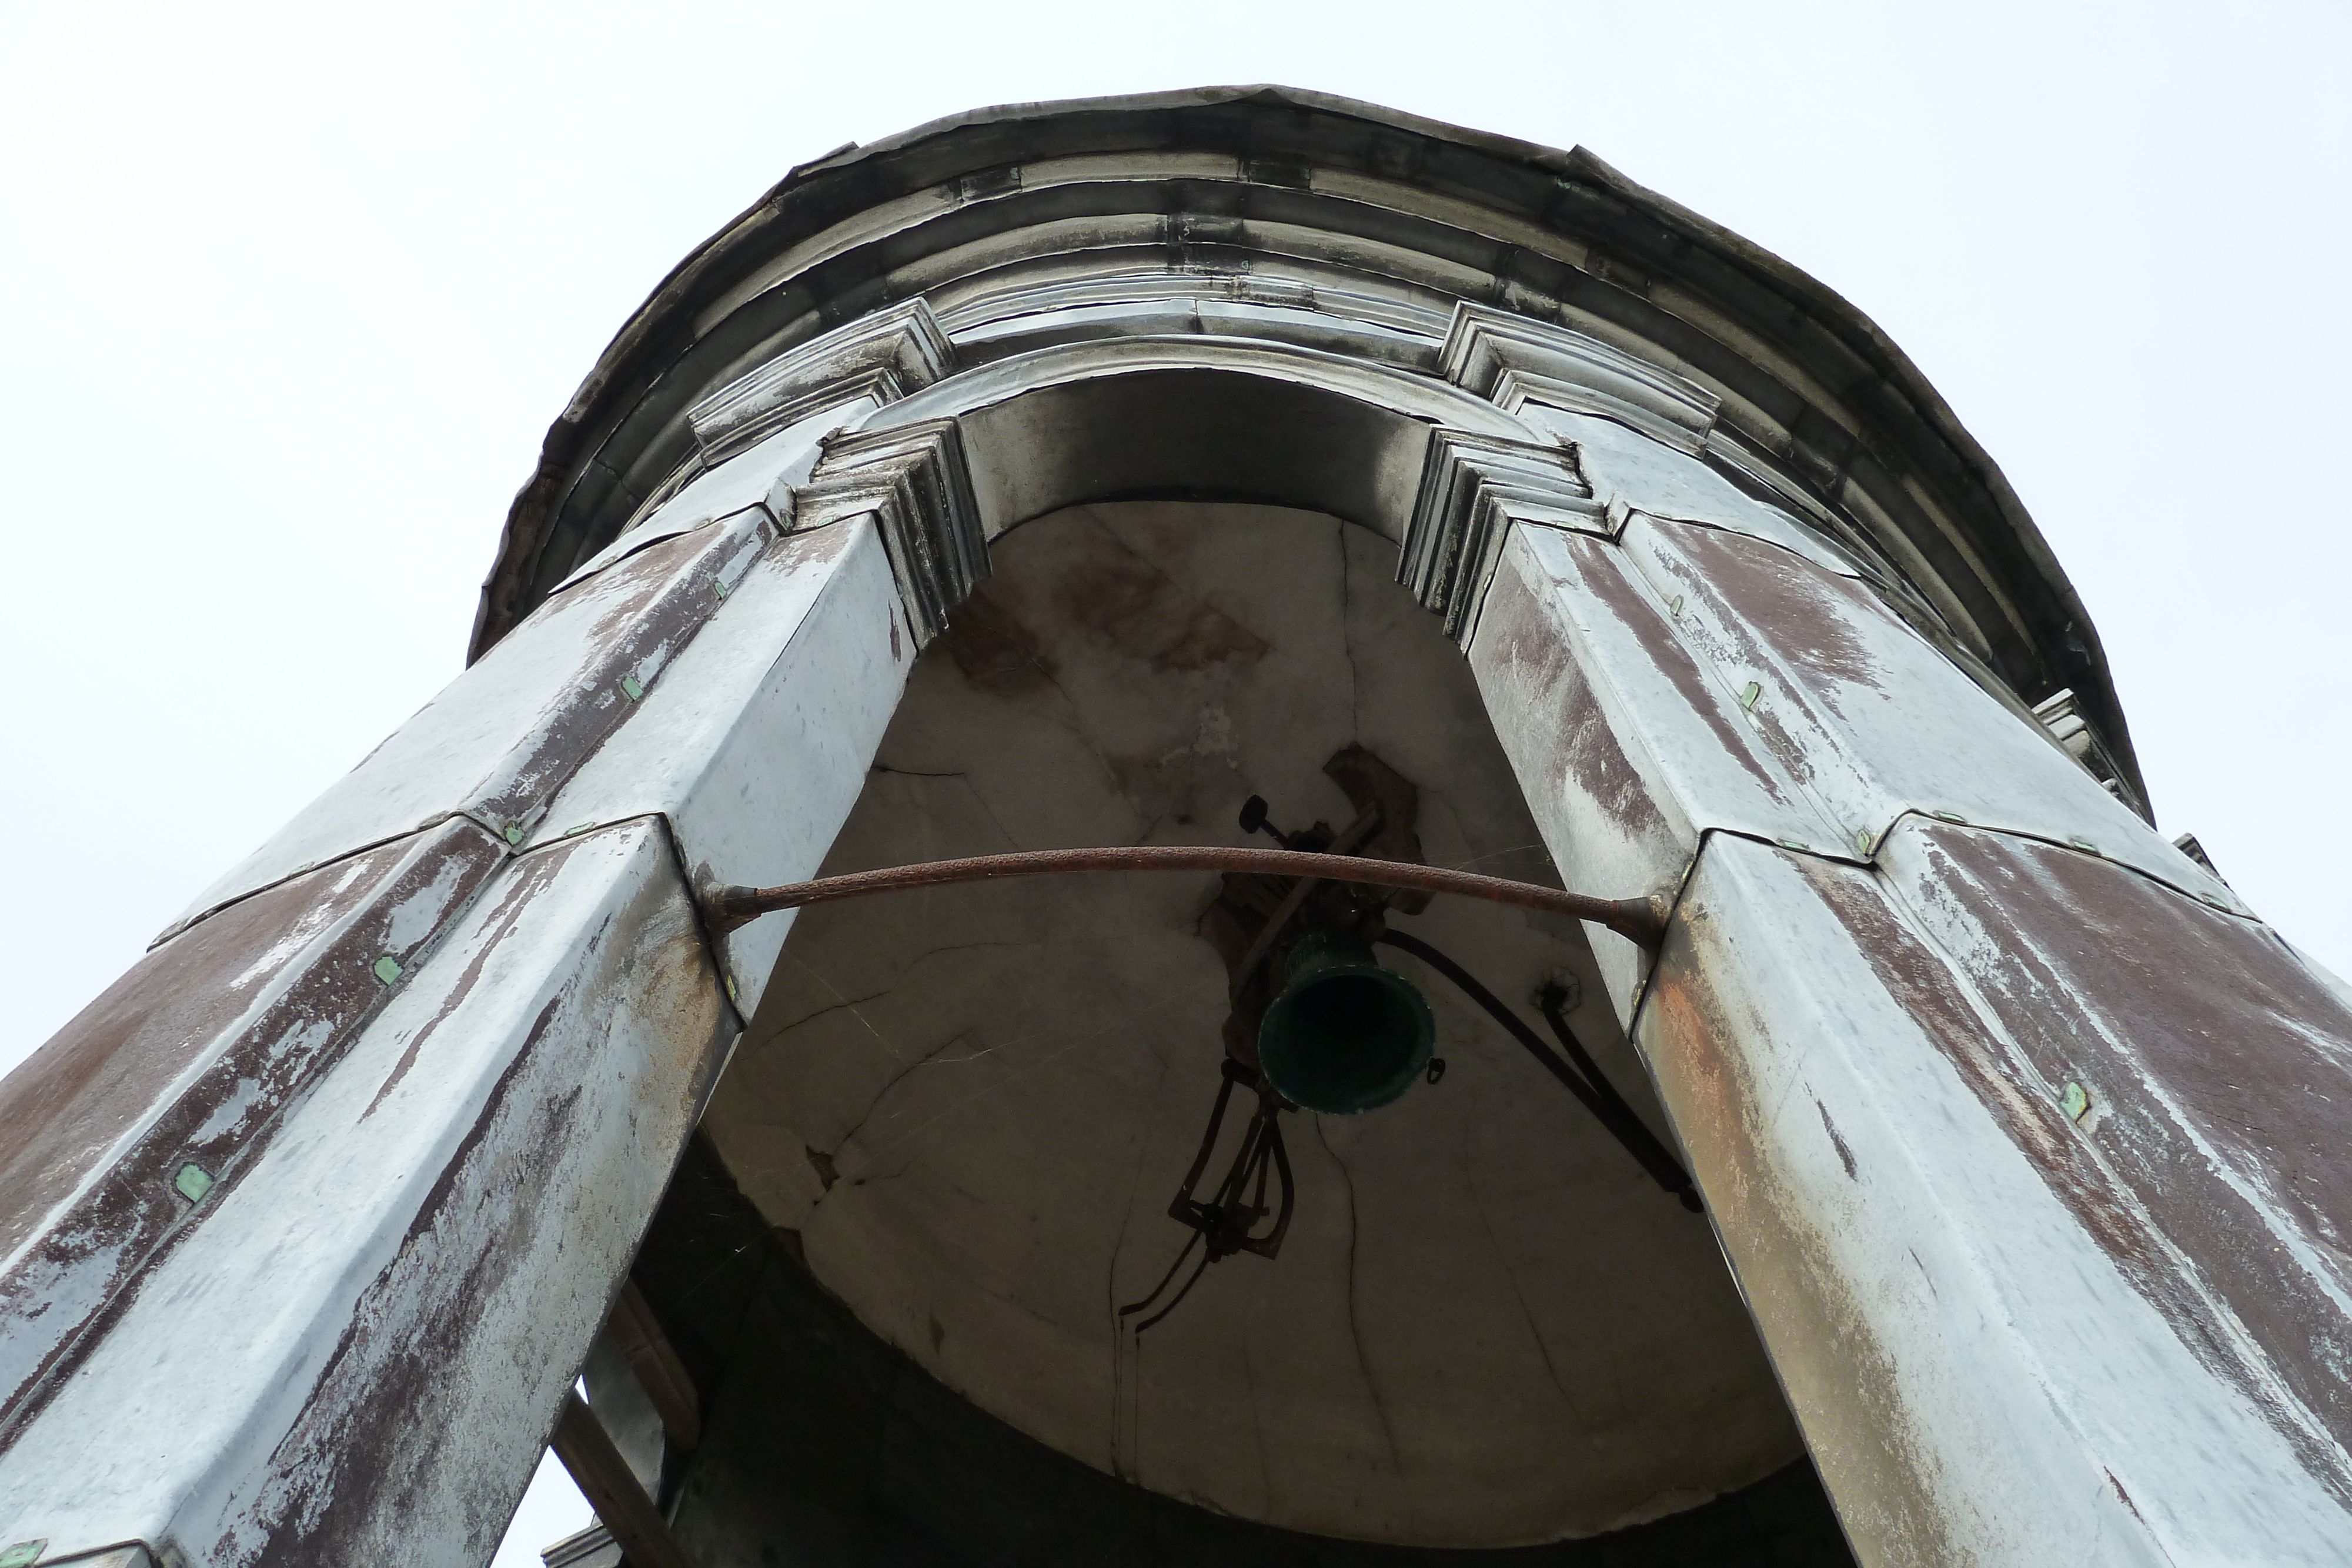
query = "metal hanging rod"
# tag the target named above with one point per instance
(1636, 919)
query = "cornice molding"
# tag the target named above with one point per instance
(915, 481)
(1510, 360)
(885, 356)
(2061, 714)
(1338, 212)
(1473, 489)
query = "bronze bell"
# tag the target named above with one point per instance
(1345, 1034)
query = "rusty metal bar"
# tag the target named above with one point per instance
(1636, 919)
(610, 1487)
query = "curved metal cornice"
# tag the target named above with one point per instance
(1336, 227)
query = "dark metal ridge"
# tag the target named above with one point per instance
(1907, 427)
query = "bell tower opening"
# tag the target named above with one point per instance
(964, 1110)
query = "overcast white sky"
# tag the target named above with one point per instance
(290, 293)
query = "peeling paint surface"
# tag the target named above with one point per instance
(1980, 1376)
(1872, 719)
(2188, 1256)
(2222, 1074)
(1627, 749)
(1645, 476)
(193, 1056)
(505, 735)
(756, 745)
(354, 1358)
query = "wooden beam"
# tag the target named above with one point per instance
(605, 1480)
(658, 1370)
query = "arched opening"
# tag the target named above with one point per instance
(965, 1111)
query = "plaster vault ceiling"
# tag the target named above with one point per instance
(973, 1103)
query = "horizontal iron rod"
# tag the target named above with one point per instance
(1636, 919)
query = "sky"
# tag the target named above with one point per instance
(288, 295)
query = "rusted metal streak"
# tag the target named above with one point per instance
(1792, 977)
(2217, 1069)
(1636, 919)
(498, 743)
(812, 643)
(190, 1060)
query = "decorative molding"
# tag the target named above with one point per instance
(2188, 845)
(2062, 716)
(915, 480)
(1076, 281)
(885, 356)
(590, 1548)
(1511, 359)
(1473, 487)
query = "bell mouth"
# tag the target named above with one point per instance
(1347, 1035)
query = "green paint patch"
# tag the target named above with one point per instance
(629, 685)
(2075, 1102)
(1748, 696)
(191, 1181)
(387, 969)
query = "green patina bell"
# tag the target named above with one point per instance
(1345, 1035)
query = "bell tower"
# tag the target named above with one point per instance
(1215, 827)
